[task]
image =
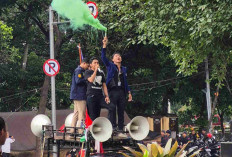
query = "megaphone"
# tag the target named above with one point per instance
(101, 129)
(138, 128)
(37, 122)
(68, 120)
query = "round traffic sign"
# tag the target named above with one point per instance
(51, 67)
(93, 8)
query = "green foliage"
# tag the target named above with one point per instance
(161, 43)
(11, 75)
(155, 150)
(192, 30)
(7, 52)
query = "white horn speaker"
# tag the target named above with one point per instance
(68, 120)
(138, 128)
(101, 129)
(37, 122)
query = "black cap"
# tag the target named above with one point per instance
(163, 131)
(184, 132)
(168, 132)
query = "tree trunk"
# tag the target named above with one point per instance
(203, 108)
(42, 109)
(222, 120)
(25, 55)
(24, 62)
(214, 105)
(228, 87)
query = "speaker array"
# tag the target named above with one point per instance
(101, 128)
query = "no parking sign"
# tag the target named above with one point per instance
(51, 67)
(93, 8)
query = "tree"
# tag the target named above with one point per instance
(193, 30)
(7, 51)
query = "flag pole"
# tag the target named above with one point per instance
(79, 48)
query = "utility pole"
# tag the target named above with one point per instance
(208, 99)
(53, 88)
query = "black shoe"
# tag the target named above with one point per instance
(115, 129)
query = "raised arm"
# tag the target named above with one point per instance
(12, 139)
(103, 52)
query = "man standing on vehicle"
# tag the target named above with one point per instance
(96, 87)
(117, 84)
(78, 94)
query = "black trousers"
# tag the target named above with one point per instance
(118, 98)
(5, 154)
(94, 105)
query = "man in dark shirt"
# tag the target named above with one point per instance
(184, 139)
(78, 94)
(117, 84)
(203, 134)
(163, 139)
(96, 86)
(193, 136)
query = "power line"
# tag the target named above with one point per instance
(19, 107)
(152, 87)
(18, 94)
(16, 97)
(153, 82)
(147, 83)
(149, 88)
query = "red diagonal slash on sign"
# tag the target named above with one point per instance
(50, 66)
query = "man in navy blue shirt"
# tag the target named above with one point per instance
(117, 84)
(78, 94)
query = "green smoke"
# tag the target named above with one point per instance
(77, 12)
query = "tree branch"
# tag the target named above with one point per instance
(40, 25)
(35, 19)
(228, 87)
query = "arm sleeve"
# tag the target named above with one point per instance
(87, 74)
(79, 78)
(12, 140)
(103, 78)
(103, 57)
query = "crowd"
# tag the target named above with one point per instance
(184, 137)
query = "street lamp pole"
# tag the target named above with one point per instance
(208, 99)
(53, 92)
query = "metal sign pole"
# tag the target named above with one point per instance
(208, 92)
(51, 40)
